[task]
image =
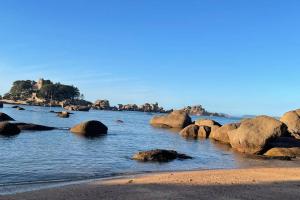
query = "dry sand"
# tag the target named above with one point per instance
(255, 183)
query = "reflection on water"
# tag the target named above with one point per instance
(58, 155)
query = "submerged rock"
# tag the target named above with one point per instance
(254, 135)
(9, 129)
(159, 155)
(33, 127)
(5, 117)
(90, 129)
(292, 120)
(20, 108)
(176, 119)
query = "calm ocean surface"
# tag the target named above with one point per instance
(59, 156)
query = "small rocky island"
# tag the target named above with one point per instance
(47, 93)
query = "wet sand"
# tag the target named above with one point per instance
(253, 183)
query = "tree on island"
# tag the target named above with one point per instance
(58, 92)
(44, 89)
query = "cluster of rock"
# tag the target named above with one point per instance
(8, 128)
(200, 111)
(87, 129)
(261, 135)
(147, 107)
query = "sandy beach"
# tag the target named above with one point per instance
(255, 183)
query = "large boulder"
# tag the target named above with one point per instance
(254, 135)
(9, 129)
(195, 131)
(33, 127)
(208, 122)
(204, 131)
(292, 120)
(280, 152)
(159, 155)
(221, 134)
(176, 119)
(90, 128)
(5, 117)
(190, 131)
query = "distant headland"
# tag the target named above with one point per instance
(47, 93)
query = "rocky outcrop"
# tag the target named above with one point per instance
(102, 105)
(9, 129)
(176, 119)
(254, 135)
(195, 131)
(292, 120)
(200, 111)
(5, 117)
(33, 127)
(90, 129)
(221, 134)
(159, 155)
(77, 108)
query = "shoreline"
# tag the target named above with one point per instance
(158, 183)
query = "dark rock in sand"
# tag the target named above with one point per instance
(9, 129)
(254, 135)
(159, 155)
(90, 129)
(33, 127)
(176, 119)
(5, 117)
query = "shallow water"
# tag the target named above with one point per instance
(58, 155)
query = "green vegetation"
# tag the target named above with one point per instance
(44, 89)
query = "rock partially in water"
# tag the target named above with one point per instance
(1, 104)
(292, 120)
(159, 155)
(254, 135)
(221, 134)
(9, 129)
(204, 131)
(77, 108)
(208, 122)
(176, 119)
(20, 108)
(5, 117)
(120, 121)
(63, 114)
(195, 131)
(33, 127)
(90, 129)
(190, 131)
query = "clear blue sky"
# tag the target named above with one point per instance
(237, 57)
